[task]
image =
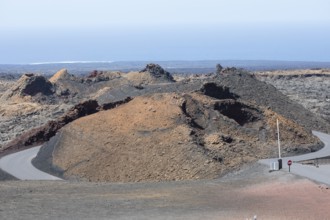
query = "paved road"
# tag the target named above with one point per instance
(19, 165)
(320, 174)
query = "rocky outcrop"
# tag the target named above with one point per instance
(151, 74)
(29, 85)
(60, 75)
(214, 90)
(218, 68)
(249, 89)
(80, 110)
(36, 84)
(157, 71)
(44, 133)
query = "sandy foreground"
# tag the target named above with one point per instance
(241, 195)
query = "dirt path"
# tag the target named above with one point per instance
(254, 191)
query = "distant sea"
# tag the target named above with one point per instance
(203, 66)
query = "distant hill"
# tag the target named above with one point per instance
(193, 67)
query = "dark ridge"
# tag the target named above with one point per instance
(158, 72)
(259, 93)
(197, 113)
(37, 84)
(112, 105)
(192, 122)
(82, 109)
(216, 91)
(238, 111)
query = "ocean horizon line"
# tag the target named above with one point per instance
(68, 62)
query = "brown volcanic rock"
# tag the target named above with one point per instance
(169, 136)
(61, 75)
(152, 73)
(29, 85)
(145, 139)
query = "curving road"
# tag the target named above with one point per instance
(19, 165)
(320, 174)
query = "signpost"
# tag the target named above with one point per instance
(289, 164)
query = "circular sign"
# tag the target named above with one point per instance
(289, 162)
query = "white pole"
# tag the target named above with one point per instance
(278, 140)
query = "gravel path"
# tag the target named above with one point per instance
(251, 191)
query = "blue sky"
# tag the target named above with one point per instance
(48, 30)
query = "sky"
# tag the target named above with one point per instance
(107, 30)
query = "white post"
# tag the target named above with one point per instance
(278, 140)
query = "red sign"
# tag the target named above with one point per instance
(289, 162)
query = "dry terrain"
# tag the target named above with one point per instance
(169, 136)
(311, 88)
(242, 195)
(145, 126)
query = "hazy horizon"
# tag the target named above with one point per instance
(45, 31)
